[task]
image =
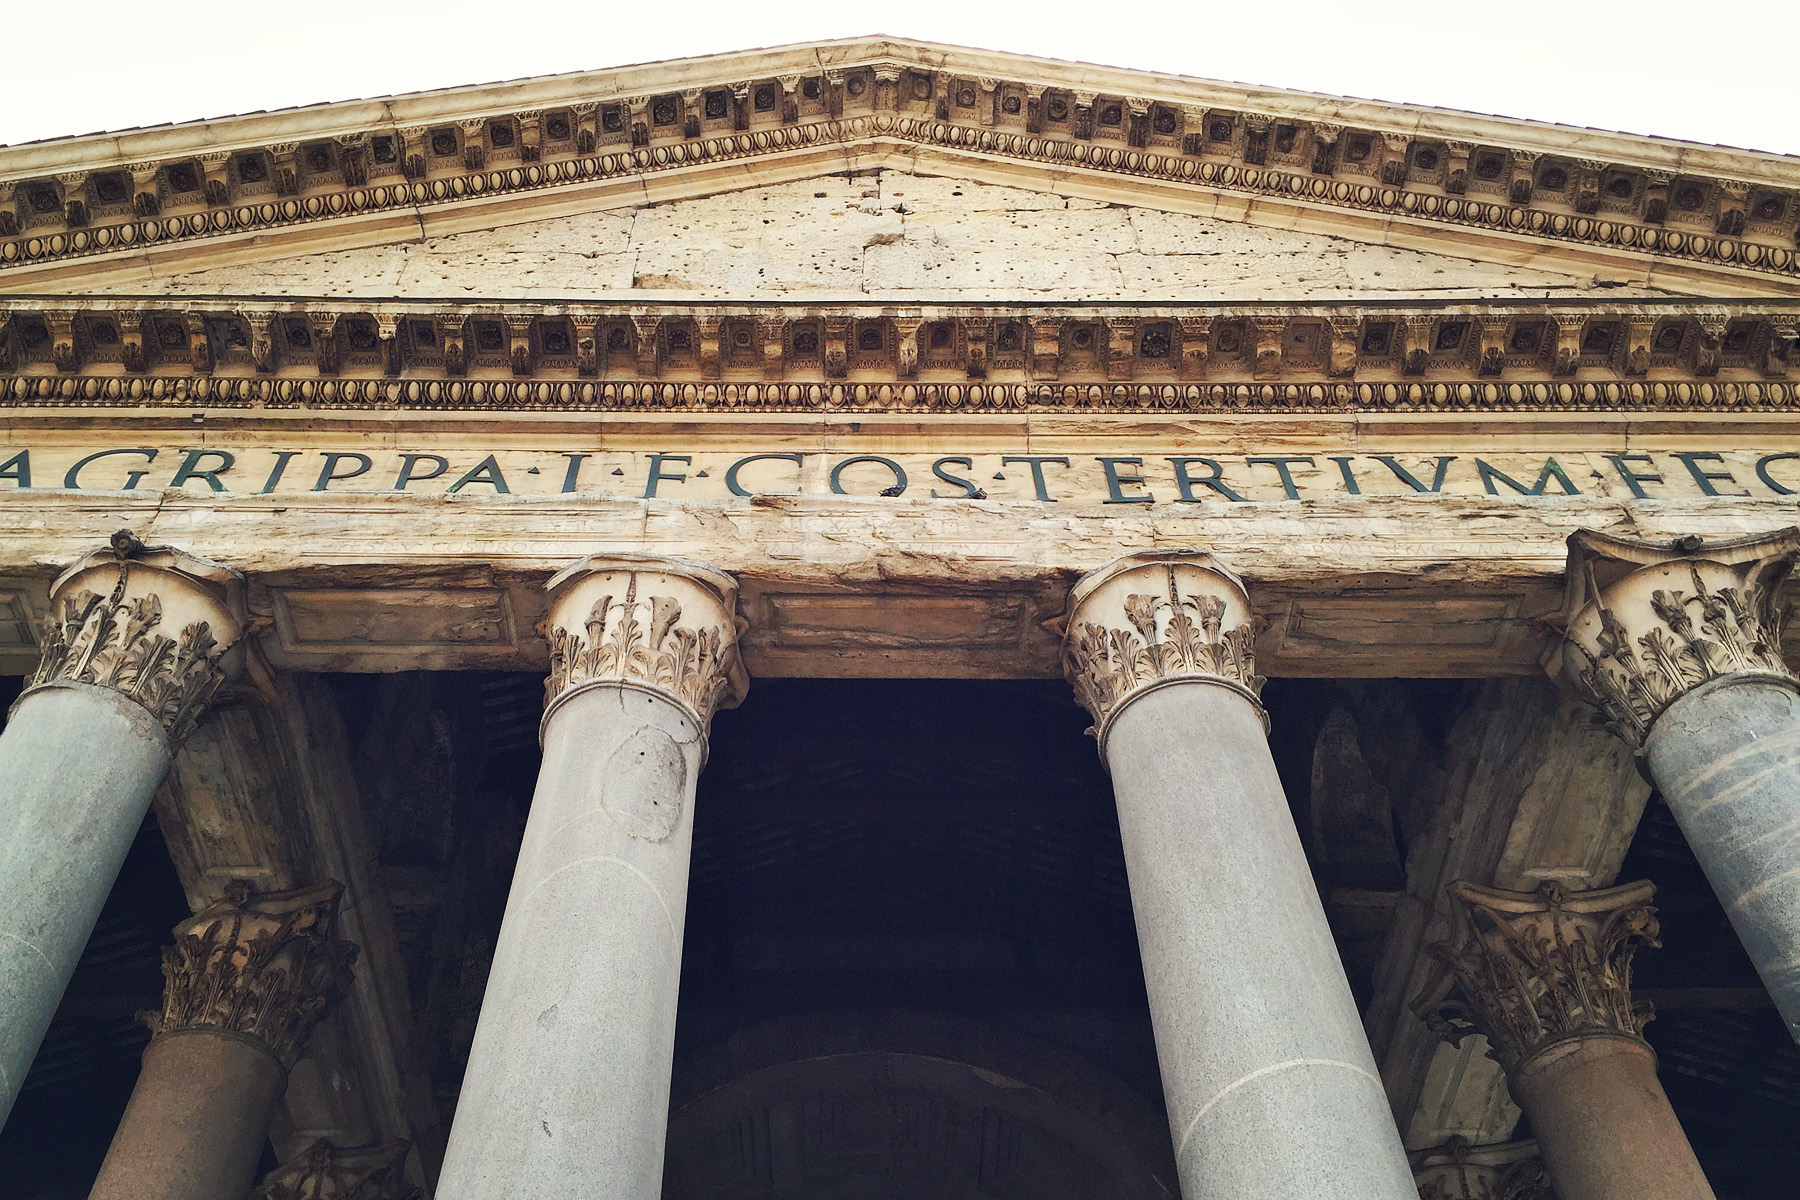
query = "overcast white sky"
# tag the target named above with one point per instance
(1701, 73)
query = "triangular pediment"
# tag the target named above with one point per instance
(547, 158)
(886, 234)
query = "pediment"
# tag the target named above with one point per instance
(119, 211)
(885, 234)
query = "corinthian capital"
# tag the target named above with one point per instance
(150, 622)
(326, 1172)
(1530, 970)
(1152, 619)
(1644, 623)
(660, 624)
(264, 967)
(1459, 1171)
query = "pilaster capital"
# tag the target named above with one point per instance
(1644, 623)
(326, 1172)
(262, 967)
(660, 624)
(1532, 969)
(1458, 1171)
(152, 623)
(1152, 619)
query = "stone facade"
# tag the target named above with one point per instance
(877, 360)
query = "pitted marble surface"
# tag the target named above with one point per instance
(883, 234)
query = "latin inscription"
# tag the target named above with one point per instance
(1145, 477)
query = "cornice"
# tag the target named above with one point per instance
(432, 355)
(96, 199)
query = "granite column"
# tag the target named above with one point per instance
(567, 1089)
(244, 984)
(1271, 1087)
(1546, 978)
(1679, 643)
(138, 641)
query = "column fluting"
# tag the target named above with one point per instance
(138, 641)
(1546, 977)
(1271, 1087)
(245, 983)
(567, 1089)
(1679, 644)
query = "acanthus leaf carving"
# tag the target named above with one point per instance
(1150, 619)
(1530, 970)
(264, 967)
(1645, 623)
(116, 641)
(324, 1171)
(1457, 1170)
(646, 636)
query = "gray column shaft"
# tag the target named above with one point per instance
(1726, 757)
(567, 1091)
(1272, 1089)
(78, 765)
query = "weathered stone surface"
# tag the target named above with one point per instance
(887, 234)
(1532, 791)
(265, 791)
(1371, 586)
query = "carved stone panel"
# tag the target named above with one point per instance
(1646, 622)
(660, 624)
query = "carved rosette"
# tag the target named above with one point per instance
(1644, 623)
(326, 1172)
(149, 622)
(1459, 1171)
(1156, 618)
(661, 624)
(263, 967)
(1530, 970)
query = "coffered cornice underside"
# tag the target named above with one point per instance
(62, 352)
(361, 173)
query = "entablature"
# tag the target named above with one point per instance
(1512, 355)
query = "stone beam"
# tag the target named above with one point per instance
(264, 791)
(1367, 586)
(1533, 791)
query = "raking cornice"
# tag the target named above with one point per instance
(1700, 218)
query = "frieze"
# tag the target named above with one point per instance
(1152, 619)
(658, 624)
(1530, 970)
(264, 967)
(1644, 623)
(1505, 356)
(1487, 185)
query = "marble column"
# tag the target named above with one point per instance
(1679, 643)
(567, 1090)
(244, 984)
(1546, 977)
(138, 641)
(326, 1172)
(1458, 1171)
(1272, 1091)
